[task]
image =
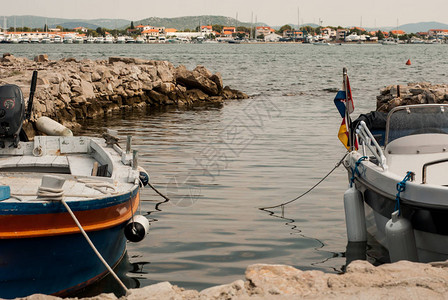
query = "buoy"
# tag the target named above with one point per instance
(136, 229)
(52, 128)
(355, 220)
(400, 239)
(408, 63)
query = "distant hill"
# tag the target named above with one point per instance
(39, 22)
(182, 23)
(422, 26)
(295, 25)
(413, 27)
(179, 23)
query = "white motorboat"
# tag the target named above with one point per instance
(78, 40)
(58, 39)
(68, 39)
(109, 39)
(389, 42)
(46, 40)
(90, 40)
(121, 40)
(399, 187)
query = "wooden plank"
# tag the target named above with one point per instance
(80, 165)
(74, 144)
(60, 161)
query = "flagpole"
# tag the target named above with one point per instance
(347, 110)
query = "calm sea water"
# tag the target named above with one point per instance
(219, 164)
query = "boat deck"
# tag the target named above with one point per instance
(73, 158)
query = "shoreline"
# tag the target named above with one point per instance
(71, 90)
(401, 280)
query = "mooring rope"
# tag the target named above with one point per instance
(355, 171)
(401, 187)
(55, 194)
(282, 205)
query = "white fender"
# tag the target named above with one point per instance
(400, 239)
(355, 219)
(52, 128)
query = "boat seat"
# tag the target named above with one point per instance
(81, 165)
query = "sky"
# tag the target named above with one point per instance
(376, 13)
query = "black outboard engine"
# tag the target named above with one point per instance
(12, 114)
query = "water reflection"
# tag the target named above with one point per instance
(128, 274)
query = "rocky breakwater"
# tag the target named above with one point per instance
(413, 93)
(402, 280)
(71, 90)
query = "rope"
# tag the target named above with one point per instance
(46, 193)
(309, 190)
(98, 185)
(155, 190)
(401, 187)
(355, 171)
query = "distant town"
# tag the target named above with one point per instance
(217, 33)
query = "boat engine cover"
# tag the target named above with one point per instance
(12, 110)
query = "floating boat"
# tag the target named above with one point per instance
(398, 185)
(53, 190)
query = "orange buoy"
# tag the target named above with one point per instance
(408, 63)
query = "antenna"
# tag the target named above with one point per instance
(30, 99)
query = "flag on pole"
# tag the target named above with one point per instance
(343, 134)
(341, 99)
(344, 101)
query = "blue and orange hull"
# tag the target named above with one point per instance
(42, 250)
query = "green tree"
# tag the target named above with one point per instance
(380, 35)
(284, 28)
(45, 28)
(217, 28)
(132, 25)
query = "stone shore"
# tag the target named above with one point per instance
(402, 280)
(71, 90)
(413, 93)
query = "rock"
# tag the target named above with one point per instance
(41, 58)
(217, 79)
(413, 93)
(227, 291)
(203, 71)
(70, 90)
(196, 80)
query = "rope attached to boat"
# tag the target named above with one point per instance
(53, 194)
(355, 171)
(401, 187)
(282, 205)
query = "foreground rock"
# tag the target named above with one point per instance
(413, 93)
(70, 90)
(401, 280)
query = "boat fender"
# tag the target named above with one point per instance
(52, 128)
(400, 239)
(5, 192)
(136, 229)
(354, 215)
(143, 176)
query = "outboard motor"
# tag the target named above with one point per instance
(12, 111)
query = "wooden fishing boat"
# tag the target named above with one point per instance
(51, 190)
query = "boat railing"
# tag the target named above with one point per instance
(367, 139)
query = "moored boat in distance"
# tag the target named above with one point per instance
(60, 198)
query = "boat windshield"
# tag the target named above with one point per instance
(416, 119)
